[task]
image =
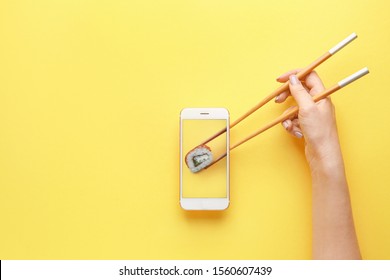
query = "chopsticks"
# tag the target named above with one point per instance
(305, 71)
(294, 110)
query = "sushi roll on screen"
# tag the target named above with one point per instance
(199, 158)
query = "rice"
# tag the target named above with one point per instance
(199, 158)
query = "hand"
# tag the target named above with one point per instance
(315, 122)
(334, 235)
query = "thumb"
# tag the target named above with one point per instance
(300, 94)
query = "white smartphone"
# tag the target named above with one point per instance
(204, 186)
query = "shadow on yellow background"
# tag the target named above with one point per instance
(90, 95)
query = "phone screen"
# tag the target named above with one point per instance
(210, 182)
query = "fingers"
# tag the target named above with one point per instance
(300, 94)
(284, 78)
(281, 97)
(292, 127)
(314, 83)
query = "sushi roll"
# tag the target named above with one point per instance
(199, 158)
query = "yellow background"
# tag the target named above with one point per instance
(210, 182)
(90, 95)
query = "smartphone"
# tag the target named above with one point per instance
(208, 188)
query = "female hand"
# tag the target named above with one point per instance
(334, 235)
(315, 122)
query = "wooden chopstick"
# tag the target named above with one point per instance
(294, 110)
(304, 72)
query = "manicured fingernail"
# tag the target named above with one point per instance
(293, 80)
(285, 124)
(277, 98)
(298, 134)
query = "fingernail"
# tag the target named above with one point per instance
(285, 124)
(277, 98)
(298, 134)
(293, 80)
